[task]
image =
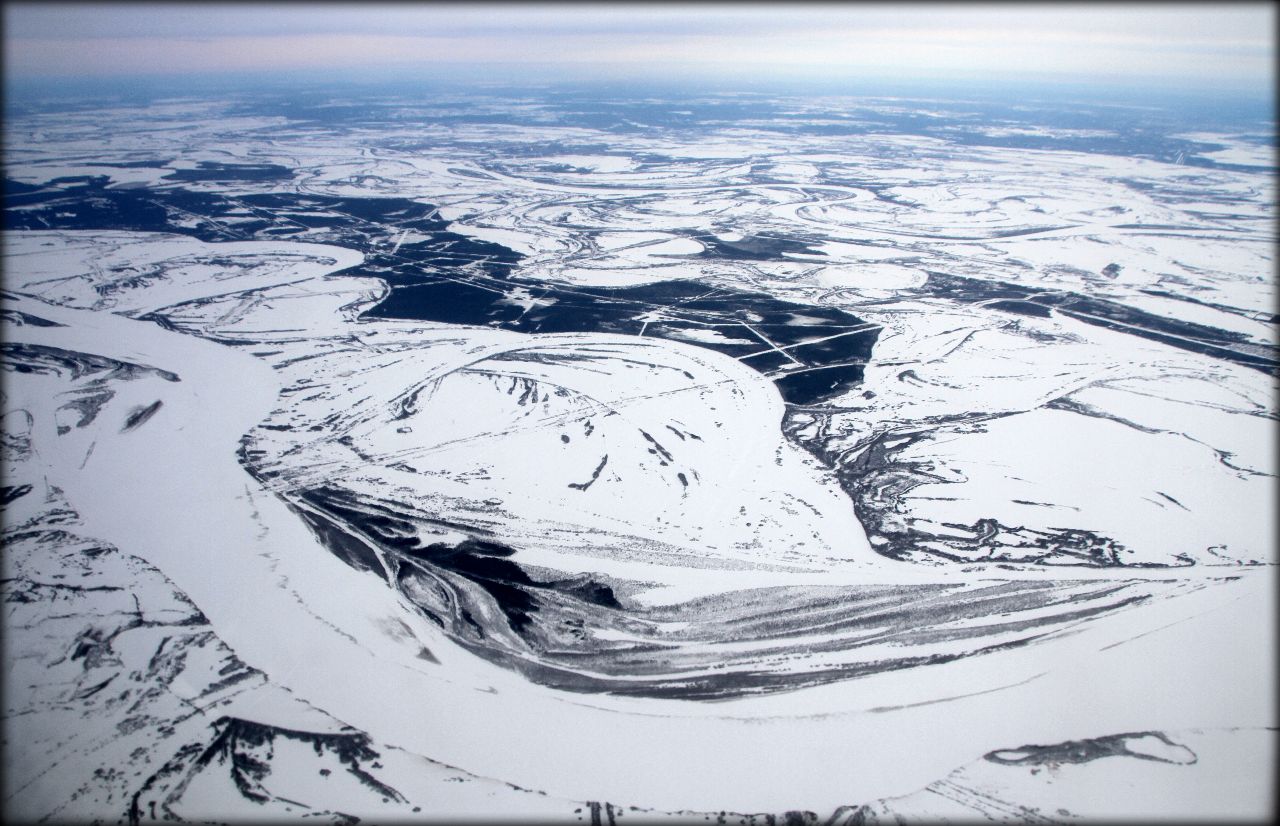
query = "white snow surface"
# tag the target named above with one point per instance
(664, 465)
(250, 565)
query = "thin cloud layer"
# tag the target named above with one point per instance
(1199, 44)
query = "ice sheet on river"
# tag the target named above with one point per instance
(838, 450)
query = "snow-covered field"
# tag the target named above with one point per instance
(445, 469)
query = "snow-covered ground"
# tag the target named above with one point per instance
(270, 552)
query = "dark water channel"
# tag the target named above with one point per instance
(812, 353)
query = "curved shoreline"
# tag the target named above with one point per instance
(137, 490)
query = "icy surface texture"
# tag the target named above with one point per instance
(561, 460)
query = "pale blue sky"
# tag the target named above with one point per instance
(1210, 44)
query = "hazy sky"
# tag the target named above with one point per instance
(1231, 45)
